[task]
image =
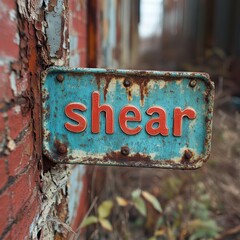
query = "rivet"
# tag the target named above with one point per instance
(193, 83)
(61, 148)
(188, 154)
(125, 150)
(127, 83)
(60, 77)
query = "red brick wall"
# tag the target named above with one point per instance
(25, 175)
(19, 173)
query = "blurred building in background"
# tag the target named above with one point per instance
(196, 35)
(113, 33)
(199, 25)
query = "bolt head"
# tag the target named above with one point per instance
(193, 83)
(188, 154)
(125, 150)
(60, 77)
(127, 83)
(62, 148)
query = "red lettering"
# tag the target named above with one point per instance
(96, 110)
(82, 123)
(123, 119)
(178, 116)
(161, 121)
(155, 126)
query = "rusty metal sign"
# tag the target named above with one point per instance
(127, 118)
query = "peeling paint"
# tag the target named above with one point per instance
(54, 182)
(17, 109)
(11, 144)
(16, 39)
(13, 15)
(13, 83)
(35, 7)
(54, 28)
(6, 60)
(22, 8)
(43, 42)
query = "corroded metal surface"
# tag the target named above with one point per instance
(120, 88)
(43, 40)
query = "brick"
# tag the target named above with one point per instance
(25, 203)
(6, 91)
(7, 77)
(3, 173)
(16, 121)
(2, 123)
(7, 236)
(5, 211)
(20, 193)
(22, 228)
(22, 84)
(8, 36)
(11, 4)
(21, 156)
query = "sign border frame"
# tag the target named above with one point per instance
(164, 164)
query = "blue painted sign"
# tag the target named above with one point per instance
(126, 117)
